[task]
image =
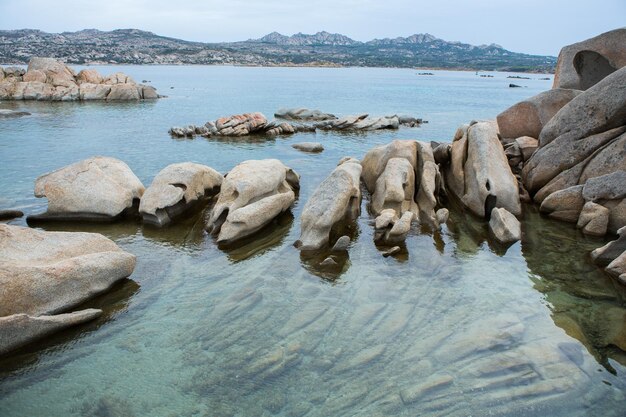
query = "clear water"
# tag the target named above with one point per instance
(452, 326)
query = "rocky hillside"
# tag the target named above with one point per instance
(132, 46)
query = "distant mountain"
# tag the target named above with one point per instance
(132, 46)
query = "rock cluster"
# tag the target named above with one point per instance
(256, 123)
(45, 273)
(252, 195)
(47, 79)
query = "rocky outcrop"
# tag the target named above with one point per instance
(607, 253)
(10, 114)
(303, 114)
(360, 122)
(311, 147)
(241, 124)
(391, 229)
(252, 195)
(18, 330)
(528, 117)
(176, 189)
(96, 189)
(504, 226)
(50, 80)
(479, 173)
(336, 199)
(583, 64)
(49, 272)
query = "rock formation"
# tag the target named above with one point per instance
(336, 199)
(479, 173)
(252, 194)
(45, 273)
(612, 256)
(303, 114)
(10, 114)
(96, 189)
(176, 189)
(50, 80)
(312, 147)
(585, 63)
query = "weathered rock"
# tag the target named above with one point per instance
(617, 267)
(176, 189)
(337, 198)
(593, 219)
(49, 272)
(395, 187)
(8, 114)
(390, 252)
(397, 230)
(50, 80)
(275, 129)
(252, 194)
(564, 204)
(607, 253)
(303, 114)
(313, 147)
(328, 262)
(504, 226)
(360, 122)
(98, 188)
(527, 146)
(606, 187)
(585, 63)
(479, 173)
(441, 153)
(375, 160)
(241, 124)
(528, 117)
(442, 215)
(10, 214)
(18, 330)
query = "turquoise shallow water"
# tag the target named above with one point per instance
(258, 330)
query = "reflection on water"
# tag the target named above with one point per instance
(453, 325)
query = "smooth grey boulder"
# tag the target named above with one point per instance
(606, 187)
(479, 173)
(342, 244)
(313, 147)
(337, 198)
(504, 226)
(607, 253)
(49, 272)
(303, 114)
(252, 195)
(98, 189)
(528, 117)
(593, 219)
(564, 204)
(176, 189)
(18, 330)
(583, 64)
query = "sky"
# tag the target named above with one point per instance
(530, 26)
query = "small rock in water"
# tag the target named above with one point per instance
(442, 215)
(391, 251)
(328, 262)
(514, 86)
(10, 214)
(308, 146)
(342, 244)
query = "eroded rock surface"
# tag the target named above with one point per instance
(504, 226)
(252, 194)
(303, 114)
(98, 189)
(176, 189)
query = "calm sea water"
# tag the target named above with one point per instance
(453, 326)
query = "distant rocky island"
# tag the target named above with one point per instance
(132, 46)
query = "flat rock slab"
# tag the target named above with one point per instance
(313, 147)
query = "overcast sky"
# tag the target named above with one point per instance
(530, 26)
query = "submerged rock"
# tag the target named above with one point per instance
(10, 214)
(176, 189)
(49, 272)
(313, 147)
(48, 79)
(96, 189)
(584, 64)
(337, 198)
(9, 114)
(252, 194)
(607, 253)
(18, 330)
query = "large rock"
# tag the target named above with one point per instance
(50, 80)
(360, 122)
(395, 188)
(336, 199)
(241, 124)
(303, 114)
(564, 204)
(390, 229)
(607, 253)
(528, 117)
(18, 330)
(49, 272)
(98, 188)
(479, 173)
(252, 194)
(176, 189)
(375, 161)
(504, 226)
(593, 219)
(583, 64)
